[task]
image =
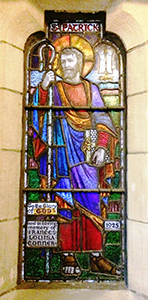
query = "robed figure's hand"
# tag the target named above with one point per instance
(48, 78)
(99, 157)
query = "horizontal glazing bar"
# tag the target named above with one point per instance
(74, 190)
(104, 108)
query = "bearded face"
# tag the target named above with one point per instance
(69, 65)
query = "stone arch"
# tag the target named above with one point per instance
(117, 11)
(125, 25)
(19, 21)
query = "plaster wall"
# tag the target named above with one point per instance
(127, 19)
(19, 19)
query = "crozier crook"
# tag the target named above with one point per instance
(47, 67)
(52, 56)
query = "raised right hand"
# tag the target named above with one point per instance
(48, 78)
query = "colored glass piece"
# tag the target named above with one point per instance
(55, 263)
(83, 259)
(39, 147)
(34, 263)
(117, 150)
(58, 136)
(114, 196)
(116, 117)
(33, 196)
(44, 130)
(113, 216)
(43, 164)
(30, 147)
(116, 180)
(65, 213)
(35, 62)
(35, 117)
(112, 101)
(62, 162)
(113, 237)
(113, 253)
(86, 275)
(33, 179)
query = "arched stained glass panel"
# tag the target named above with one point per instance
(74, 154)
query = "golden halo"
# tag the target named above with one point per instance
(79, 43)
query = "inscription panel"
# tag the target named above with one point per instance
(42, 234)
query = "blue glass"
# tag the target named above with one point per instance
(44, 132)
(109, 85)
(54, 164)
(43, 164)
(105, 200)
(62, 162)
(35, 120)
(36, 78)
(36, 98)
(74, 140)
(89, 201)
(66, 213)
(34, 134)
(67, 196)
(35, 112)
(65, 183)
(35, 62)
(58, 136)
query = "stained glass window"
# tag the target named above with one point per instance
(74, 152)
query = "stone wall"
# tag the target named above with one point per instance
(127, 19)
(19, 19)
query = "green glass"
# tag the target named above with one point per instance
(34, 263)
(30, 147)
(111, 101)
(88, 275)
(83, 260)
(56, 276)
(112, 216)
(113, 253)
(33, 196)
(116, 180)
(114, 196)
(55, 263)
(115, 117)
(117, 150)
(33, 179)
(113, 237)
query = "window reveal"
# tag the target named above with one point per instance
(74, 156)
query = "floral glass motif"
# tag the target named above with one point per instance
(74, 160)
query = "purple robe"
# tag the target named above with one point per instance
(70, 164)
